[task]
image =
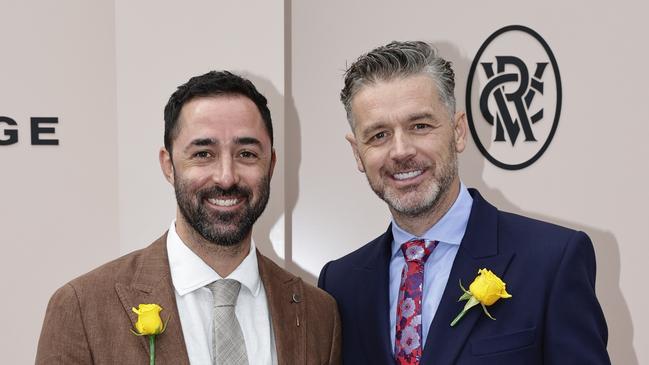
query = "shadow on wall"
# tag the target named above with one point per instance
(292, 149)
(265, 229)
(618, 316)
(280, 208)
(293, 153)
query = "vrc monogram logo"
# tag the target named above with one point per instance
(513, 101)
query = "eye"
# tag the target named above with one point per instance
(420, 126)
(247, 155)
(202, 154)
(378, 137)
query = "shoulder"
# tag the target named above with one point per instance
(518, 224)
(120, 269)
(544, 251)
(514, 231)
(524, 233)
(101, 280)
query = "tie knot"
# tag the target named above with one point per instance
(418, 250)
(225, 292)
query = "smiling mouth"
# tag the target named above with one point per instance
(407, 175)
(224, 202)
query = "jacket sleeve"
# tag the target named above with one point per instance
(576, 331)
(63, 338)
(322, 277)
(335, 357)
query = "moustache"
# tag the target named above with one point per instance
(216, 192)
(405, 166)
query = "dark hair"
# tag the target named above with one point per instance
(213, 83)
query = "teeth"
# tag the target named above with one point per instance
(223, 202)
(407, 175)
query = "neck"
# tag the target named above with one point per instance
(222, 259)
(418, 225)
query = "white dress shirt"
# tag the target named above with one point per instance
(449, 231)
(190, 275)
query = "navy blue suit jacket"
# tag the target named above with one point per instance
(553, 316)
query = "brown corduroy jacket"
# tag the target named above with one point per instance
(88, 320)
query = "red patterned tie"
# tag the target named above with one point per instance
(408, 339)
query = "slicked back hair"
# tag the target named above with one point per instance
(213, 83)
(398, 60)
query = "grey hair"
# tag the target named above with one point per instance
(399, 59)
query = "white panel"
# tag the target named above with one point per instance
(59, 203)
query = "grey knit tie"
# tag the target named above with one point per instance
(228, 345)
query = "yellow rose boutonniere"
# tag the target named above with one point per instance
(149, 324)
(485, 290)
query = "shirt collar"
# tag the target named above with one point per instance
(449, 229)
(189, 272)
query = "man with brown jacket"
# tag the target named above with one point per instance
(219, 157)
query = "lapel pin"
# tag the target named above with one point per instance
(296, 299)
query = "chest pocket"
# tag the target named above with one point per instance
(501, 343)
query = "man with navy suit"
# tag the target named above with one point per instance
(398, 294)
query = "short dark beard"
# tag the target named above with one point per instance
(206, 223)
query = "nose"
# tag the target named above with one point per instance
(402, 147)
(224, 174)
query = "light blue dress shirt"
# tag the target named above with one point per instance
(449, 231)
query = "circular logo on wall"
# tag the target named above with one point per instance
(513, 97)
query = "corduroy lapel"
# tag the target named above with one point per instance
(479, 249)
(152, 284)
(373, 309)
(284, 293)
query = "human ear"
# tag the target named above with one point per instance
(273, 160)
(460, 128)
(354, 144)
(166, 164)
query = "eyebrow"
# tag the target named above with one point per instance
(247, 141)
(368, 131)
(201, 142)
(419, 116)
(242, 141)
(411, 118)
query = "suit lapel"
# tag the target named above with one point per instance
(479, 249)
(372, 283)
(152, 284)
(284, 293)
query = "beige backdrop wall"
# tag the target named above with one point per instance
(58, 211)
(106, 68)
